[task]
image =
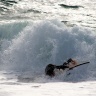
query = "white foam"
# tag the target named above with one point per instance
(50, 41)
(50, 89)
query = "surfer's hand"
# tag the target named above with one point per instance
(74, 62)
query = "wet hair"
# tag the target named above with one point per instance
(49, 70)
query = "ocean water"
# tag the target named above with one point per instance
(34, 33)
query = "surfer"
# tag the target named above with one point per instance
(50, 68)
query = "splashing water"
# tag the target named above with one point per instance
(51, 41)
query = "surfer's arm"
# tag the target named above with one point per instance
(62, 67)
(72, 63)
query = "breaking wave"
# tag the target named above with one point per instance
(49, 41)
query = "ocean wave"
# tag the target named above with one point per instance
(8, 2)
(70, 6)
(50, 41)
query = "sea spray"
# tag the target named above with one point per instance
(50, 41)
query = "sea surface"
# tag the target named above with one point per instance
(34, 33)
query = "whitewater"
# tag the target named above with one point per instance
(31, 37)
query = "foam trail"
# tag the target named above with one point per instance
(51, 41)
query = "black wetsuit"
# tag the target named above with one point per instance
(63, 67)
(49, 70)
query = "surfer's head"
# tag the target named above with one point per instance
(49, 70)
